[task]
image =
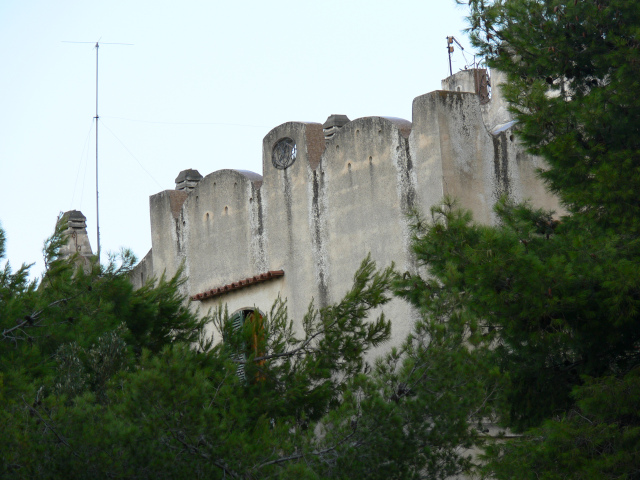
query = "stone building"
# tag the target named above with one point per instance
(329, 194)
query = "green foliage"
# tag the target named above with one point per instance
(63, 343)
(573, 70)
(551, 304)
(597, 439)
(103, 380)
(546, 312)
(416, 416)
(306, 376)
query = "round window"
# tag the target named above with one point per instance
(284, 153)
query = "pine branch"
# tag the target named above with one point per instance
(301, 455)
(60, 437)
(32, 320)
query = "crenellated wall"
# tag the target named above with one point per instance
(290, 226)
(308, 221)
(219, 231)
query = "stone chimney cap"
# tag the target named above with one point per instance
(75, 219)
(189, 175)
(75, 215)
(336, 120)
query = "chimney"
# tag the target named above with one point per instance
(333, 124)
(76, 234)
(473, 80)
(187, 180)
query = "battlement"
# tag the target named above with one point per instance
(331, 193)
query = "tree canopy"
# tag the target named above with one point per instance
(552, 301)
(531, 324)
(572, 70)
(99, 380)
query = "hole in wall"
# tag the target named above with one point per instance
(370, 160)
(458, 88)
(380, 132)
(226, 210)
(337, 147)
(207, 216)
(196, 199)
(251, 200)
(511, 137)
(235, 184)
(349, 166)
(357, 132)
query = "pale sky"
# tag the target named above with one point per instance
(200, 86)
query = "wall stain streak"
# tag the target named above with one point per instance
(501, 165)
(258, 246)
(409, 190)
(258, 196)
(371, 178)
(408, 203)
(178, 244)
(316, 216)
(288, 207)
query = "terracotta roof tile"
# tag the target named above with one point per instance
(245, 282)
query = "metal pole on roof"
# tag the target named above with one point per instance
(97, 196)
(97, 117)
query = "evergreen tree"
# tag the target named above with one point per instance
(553, 302)
(100, 380)
(65, 340)
(572, 80)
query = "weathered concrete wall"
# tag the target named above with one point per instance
(368, 189)
(316, 214)
(167, 238)
(516, 170)
(216, 220)
(291, 227)
(143, 271)
(462, 150)
(496, 112)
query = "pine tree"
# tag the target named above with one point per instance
(100, 380)
(552, 302)
(572, 80)
(63, 341)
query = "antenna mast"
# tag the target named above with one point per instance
(97, 117)
(450, 41)
(97, 196)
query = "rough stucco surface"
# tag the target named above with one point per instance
(77, 241)
(143, 271)
(341, 199)
(217, 217)
(166, 232)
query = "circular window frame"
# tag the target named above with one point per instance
(284, 153)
